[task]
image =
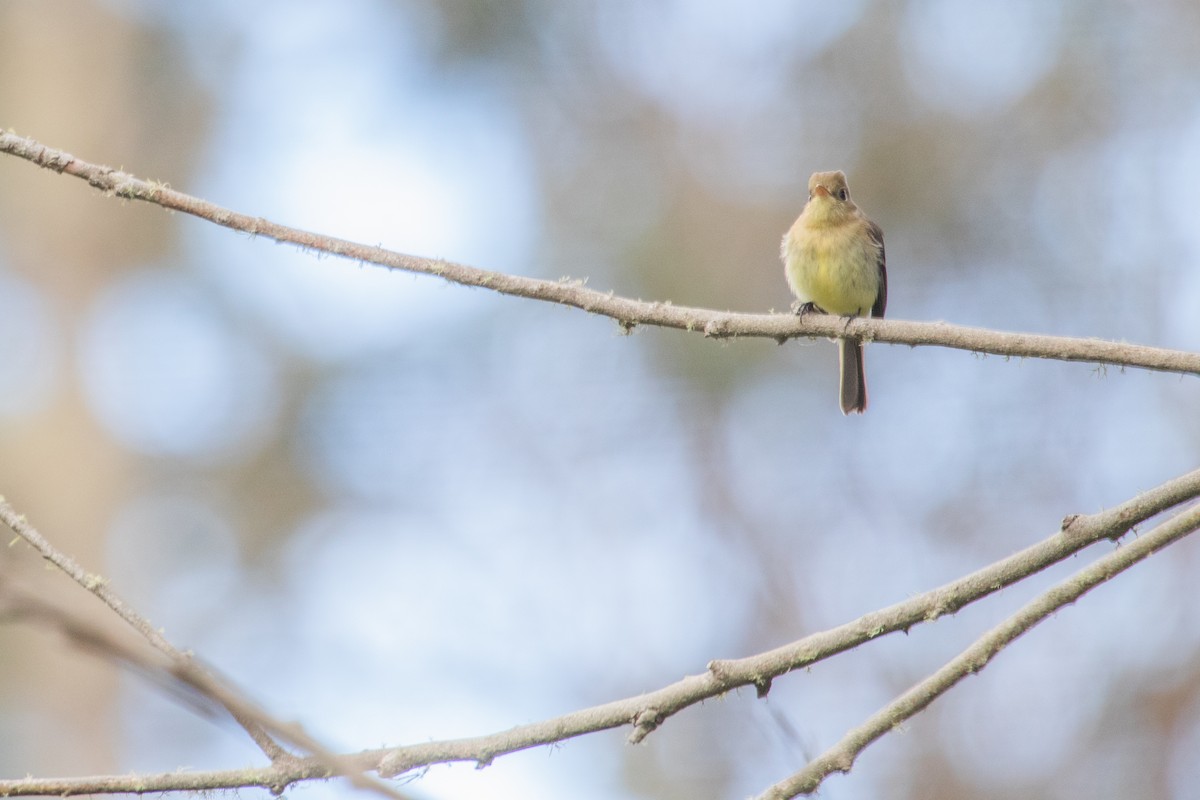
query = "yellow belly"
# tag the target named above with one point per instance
(833, 269)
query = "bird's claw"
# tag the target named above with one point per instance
(800, 309)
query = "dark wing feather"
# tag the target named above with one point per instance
(876, 234)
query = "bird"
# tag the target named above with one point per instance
(834, 263)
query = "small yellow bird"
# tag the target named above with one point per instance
(834, 262)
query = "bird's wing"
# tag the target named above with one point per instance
(876, 234)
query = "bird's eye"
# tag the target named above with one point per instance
(843, 195)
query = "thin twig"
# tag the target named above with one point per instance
(98, 586)
(841, 757)
(257, 722)
(629, 313)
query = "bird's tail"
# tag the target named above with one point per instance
(854, 381)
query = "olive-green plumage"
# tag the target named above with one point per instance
(834, 262)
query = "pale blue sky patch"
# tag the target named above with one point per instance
(981, 57)
(31, 347)
(168, 376)
(445, 181)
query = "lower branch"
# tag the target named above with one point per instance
(841, 757)
(98, 586)
(646, 712)
(168, 664)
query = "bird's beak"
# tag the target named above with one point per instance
(820, 191)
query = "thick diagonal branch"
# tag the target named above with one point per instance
(841, 757)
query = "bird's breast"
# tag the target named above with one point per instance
(835, 267)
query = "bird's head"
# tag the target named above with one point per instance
(829, 198)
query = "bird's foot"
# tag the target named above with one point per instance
(800, 309)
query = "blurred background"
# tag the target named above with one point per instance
(396, 509)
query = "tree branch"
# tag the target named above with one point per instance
(98, 586)
(646, 712)
(841, 757)
(629, 313)
(179, 667)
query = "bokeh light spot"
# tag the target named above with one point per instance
(166, 374)
(968, 58)
(29, 365)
